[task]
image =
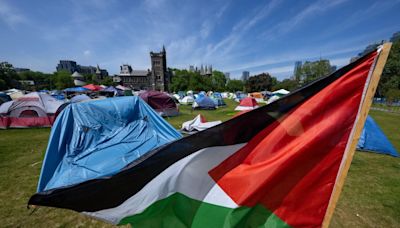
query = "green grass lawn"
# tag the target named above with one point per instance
(371, 196)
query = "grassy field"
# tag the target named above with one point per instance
(371, 196)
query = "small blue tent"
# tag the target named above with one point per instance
(374, 140)
(217, 98)
(203, 102)
(96, 139)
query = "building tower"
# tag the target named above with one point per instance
(296, 71)
(99, 76)
(160, 78)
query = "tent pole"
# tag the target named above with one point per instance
(365, 106)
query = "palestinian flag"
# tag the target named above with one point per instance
(275, 166)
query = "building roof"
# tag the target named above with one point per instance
(76, 75)
(136, 73)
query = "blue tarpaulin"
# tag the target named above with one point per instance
(76, 89)
(203, 102)
(374, 140)
(97, 139)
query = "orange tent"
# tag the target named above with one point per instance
(256, 95)
(93, 87)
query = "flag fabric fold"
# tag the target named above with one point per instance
(275, 166)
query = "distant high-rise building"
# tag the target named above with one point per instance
(191, 68)
(296, 70)
(245, 75)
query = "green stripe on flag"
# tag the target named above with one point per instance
(179, 210)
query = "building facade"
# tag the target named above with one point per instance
(205, 70)
(135, 79)
(158, 78)
(72, 67)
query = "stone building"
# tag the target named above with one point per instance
(72, 67)
(135, 79)
(158, 78)
(203, 70)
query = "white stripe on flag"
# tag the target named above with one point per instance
(188, 176)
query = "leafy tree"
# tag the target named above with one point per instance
(63, 80)
(393, 95)
(9, 78)
(107, 81)
(42, 81)
(260, 82)
(198, 82)
(3, 84)
(287, 84)
(390, 79)
(180, 80)
(218, 81)
(234, 85)
(310, 71)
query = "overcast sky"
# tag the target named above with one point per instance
(258, 36)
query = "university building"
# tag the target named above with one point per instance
(158, 78)
(72, 67)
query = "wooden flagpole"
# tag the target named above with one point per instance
(365, 106)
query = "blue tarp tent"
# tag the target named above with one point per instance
(374, 140)
(203, 102)
(217, 98)
(97, 139)
(76, 89)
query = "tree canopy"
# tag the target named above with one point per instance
(309, 71)
(389, 85)
(261, 82)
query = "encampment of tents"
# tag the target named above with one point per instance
(203, 102)
(373, 139)
(248, 103)
(96, 139)
(160, 102)
(239, 96)
(31, 110)
(188, 100)
(217, 98)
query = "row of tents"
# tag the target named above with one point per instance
(260, 97)
(40, 110)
